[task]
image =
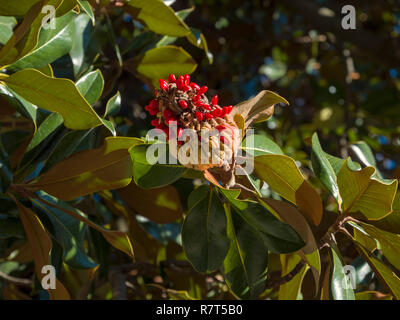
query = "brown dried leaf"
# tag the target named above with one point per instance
(259, 108)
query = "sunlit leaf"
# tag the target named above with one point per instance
(56, 95)
(91, 86)
(258, 145)
(259, 108)
(159, 63)
(362, 192)
(158, 17)
(291, 289)
(53, 44)
(25, 37)
(388, 277)
(323, 168)
(283, 176)
(340, 285)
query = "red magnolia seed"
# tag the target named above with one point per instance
(216, 112)
(154, 122)
(154, 104)
(179, 84)
(183, 104)
(199, 115)
(203, 90)
(187, 79)
(208, 116)
(163, 84)
(206, 106)
(195, 86)
(221, 127)
(167, 114)
(198, 103)
(171, 78)
(214, 100)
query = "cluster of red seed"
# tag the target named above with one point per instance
(180, 98)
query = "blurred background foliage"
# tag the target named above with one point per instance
(344, 84)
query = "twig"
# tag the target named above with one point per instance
(15, 280)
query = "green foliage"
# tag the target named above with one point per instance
(77, 191)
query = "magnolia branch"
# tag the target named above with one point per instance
(15, 280)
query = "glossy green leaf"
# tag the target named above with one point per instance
(197, 195)
(25, 108)
(389, 243)
(385, 274)
(245, 265)
(35, 150)
(362, 192)
(46, 128)
(65, 147)
(337, 163)
(109, 167)
(290, 215)
(85, 5)
(91, 86)
(277, 236)
(364, 153)
(53, 44)
(155, 176)
(361, 236)
(67, 6)
(7, 25)
(25, 37)
(158, 17)
(82, 32)
(69, 232)
(117, 239)
(159, 63)
(56, 95)
(113, 105)
(149, 176)
(204, 235)
(323, 168)
(391, 222)
(257, 145)
(283, 176)
(341, 288)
